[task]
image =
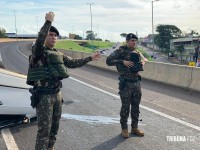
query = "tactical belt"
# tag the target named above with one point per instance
(130, 80)
(48, 91)
(129, 75)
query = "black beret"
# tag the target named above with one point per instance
(131, 36)
(53, 29)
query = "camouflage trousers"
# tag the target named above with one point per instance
(130, 97)
(48, 112)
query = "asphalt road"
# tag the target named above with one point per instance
(90, 117)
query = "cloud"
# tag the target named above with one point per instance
(110, 17)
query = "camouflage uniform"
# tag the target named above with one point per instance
(49, 107)
(129, 88)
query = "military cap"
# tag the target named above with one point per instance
(53, 29)
(131, 36)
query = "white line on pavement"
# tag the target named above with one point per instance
(9, 140)
(21, 52)
(144, 107)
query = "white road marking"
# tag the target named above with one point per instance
(94, 82)
(144, 107)
(9, 140)
(21, 52)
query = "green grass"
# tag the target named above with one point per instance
(145, 54)
(71, 45)
(89, 46)
(100, 44)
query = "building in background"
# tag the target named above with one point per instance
(185, 49)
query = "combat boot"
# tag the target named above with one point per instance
(137, 132)
(51, 148)
(125, 133)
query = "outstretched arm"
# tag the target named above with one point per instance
(74, 63)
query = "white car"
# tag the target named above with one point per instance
(14, 99)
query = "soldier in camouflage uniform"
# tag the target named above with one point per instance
(129, 84)
(47, 67)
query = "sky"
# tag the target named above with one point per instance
(110, 18)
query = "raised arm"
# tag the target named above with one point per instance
(38, 47)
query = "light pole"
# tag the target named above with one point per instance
(91, 13)
(197, 61)
(153, 26)
(36, 23)
(15, 25)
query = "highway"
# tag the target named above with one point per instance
(90, 117)
(158, 57)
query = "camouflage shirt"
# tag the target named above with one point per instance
(38, 51)
(118, 56)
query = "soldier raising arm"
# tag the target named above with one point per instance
(38, 47)
(47, 67)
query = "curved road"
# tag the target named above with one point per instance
(91, 108)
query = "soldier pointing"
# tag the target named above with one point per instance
(47, 67)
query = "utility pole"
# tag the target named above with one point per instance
(36, 17)
(153, 26)
(91, 15)
(198, 53)
(15, 25)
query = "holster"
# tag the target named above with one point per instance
(34, 97)
(122, 83)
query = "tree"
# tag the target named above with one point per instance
(107, 40)
(90, 35)
(98, 39)
(165, 34)
(123, 35)
(194, 33)
(2, 33)
(78, 37)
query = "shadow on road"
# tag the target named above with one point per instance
(110, 144)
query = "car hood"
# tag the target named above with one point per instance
(12, 79)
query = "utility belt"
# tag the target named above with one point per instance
(130, 77)
(123, 80)
(41, 91)
(131, 80)
(46, 91)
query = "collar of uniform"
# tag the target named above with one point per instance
(52, 49)
(130, 48)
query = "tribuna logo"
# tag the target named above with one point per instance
(178, 138)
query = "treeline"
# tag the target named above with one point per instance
(2, 33)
